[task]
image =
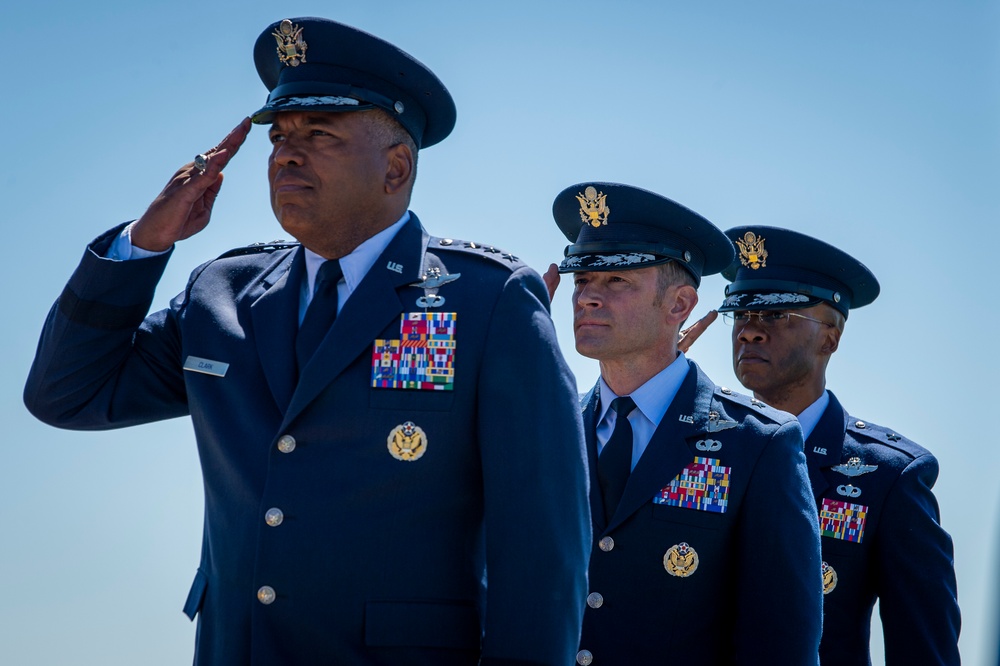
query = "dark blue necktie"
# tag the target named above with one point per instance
(615, 462)
(321, 313)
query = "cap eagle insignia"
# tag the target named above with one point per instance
(594, 209)
(291, 46)
(752, 252)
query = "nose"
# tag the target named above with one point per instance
(587, 296)
(285, 153)
(751, 331)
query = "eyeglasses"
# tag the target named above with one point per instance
(767, 319)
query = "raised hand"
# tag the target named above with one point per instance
(184, 207)
(694, 331)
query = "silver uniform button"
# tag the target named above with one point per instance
(606, 544)
(266, 595)
(860, 425)
(286, 444)
(273, 517)
(595, 600)
(584, 658)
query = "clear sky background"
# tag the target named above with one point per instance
(872, 125)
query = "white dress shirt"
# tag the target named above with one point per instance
(811, 415)
(652, 400)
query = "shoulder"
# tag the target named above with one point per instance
(885, 443)
(259, 250)
(237, 266)
(474, 252)
(748, 407)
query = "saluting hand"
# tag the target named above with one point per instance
(694, 331)
(184, 206)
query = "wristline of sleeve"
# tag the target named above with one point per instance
(107, 294)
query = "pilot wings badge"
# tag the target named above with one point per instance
(594, 209)
(291, 46)
(854, 467)
(717, 424)
(752, 252)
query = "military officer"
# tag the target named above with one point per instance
(882, 537)
(377, 491)
(705, 537)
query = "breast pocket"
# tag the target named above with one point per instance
(411, 400)
(685, 516)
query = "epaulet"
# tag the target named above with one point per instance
(472, 247)
(256, 248)
(753, 403)
(883, 435)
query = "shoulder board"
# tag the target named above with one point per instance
(873, 431)
(750, 402)
(257, 248)
(472, 247)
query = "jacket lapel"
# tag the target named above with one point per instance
(275, 316)
(668, 452)
(590, 404)
(372, 307)
(829, 435)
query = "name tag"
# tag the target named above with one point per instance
(203, 365)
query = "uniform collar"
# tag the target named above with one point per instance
(654, 397)
(356, 264)
(811, 415)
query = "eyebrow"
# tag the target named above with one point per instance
(311, 120)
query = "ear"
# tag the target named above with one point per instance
(682, 303)
(399, 168)
(831, 340)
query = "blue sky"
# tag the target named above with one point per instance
(874, 126)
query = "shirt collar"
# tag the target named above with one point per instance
(811, 415)
(654, 397)
(356, 264)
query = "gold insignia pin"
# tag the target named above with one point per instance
(291, 46)
(680, 560)
(829, 578)
(594, 209)
(752, 252)
(407, 442)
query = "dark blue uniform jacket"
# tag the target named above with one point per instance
(476, 549)
(755, 596)
(902, 556)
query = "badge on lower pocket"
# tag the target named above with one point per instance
(680, 560)
(829, 578)
(407, 442)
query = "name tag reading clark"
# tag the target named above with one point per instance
(214, 368)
